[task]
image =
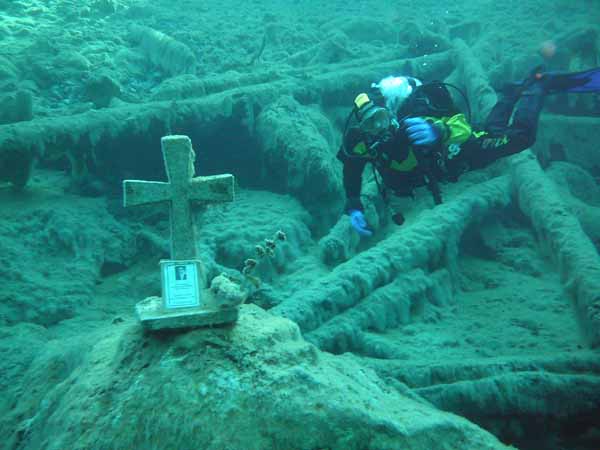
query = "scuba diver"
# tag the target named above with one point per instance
(413, 134)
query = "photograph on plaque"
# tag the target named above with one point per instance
(180, 273)
(180, 285)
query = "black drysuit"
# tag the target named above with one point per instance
(402, 168)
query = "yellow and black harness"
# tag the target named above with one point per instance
(453, 127)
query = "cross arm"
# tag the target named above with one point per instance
(144, 192)
(214, 188)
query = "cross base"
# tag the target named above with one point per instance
(153, 316)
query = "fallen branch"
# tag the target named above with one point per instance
(559, 231)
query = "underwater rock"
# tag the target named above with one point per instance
(71, 63)
(228, 292)
(15, 164)
(100, 89)
(16, 107)
(104, 7)
(252, 386)
(170, 55)
(40, 70)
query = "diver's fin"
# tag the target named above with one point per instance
(577, 82)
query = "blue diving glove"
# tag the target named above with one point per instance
(359, 223)
(421, 132)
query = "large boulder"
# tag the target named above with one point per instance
(254, 385)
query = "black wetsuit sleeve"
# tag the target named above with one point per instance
(352, 176)
(353, 169)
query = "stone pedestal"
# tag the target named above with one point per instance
(153, 315)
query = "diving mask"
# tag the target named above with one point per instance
(375, 121)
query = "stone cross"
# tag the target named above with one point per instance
(181, 190)
(185, 302)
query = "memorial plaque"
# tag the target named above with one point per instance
(180, 285)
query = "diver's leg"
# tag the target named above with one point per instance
(527, 115)
(502, 140)
(498, 118)
(510, 94)
(493, 144)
